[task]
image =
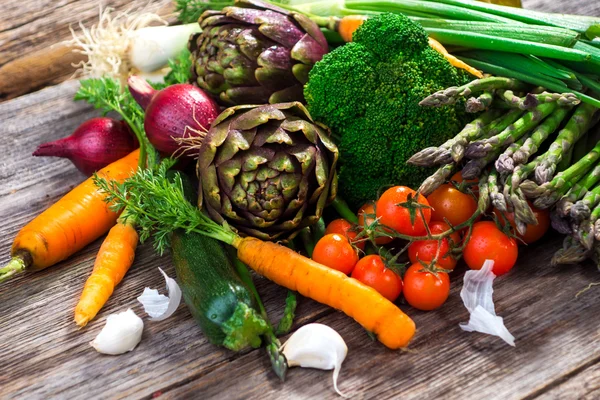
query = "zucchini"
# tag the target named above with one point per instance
(222, 305)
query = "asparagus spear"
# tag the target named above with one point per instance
(480, 103)
(512, 133)
(494, 128)
(474, 167)
(583, 208)
(452, 94)
(559, 223)
(579, 190)
(434, 181)
(494, 192)
(441, 155)
(505, 163)
(571, 253)
(569, 135)
(549, 193)
(532, 100)
(539, 135)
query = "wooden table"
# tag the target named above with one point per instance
(43, 355)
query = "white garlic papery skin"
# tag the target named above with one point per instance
(122, 332)
(316, 346)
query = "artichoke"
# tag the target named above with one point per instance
(255, 53)
(267, 171)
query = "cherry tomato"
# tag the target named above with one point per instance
(369, 209)
(345, 228)
(424, 290)
(334, 251)
(397, 217)
(426, 250)
(371, 271)
(447, 202)
(487, 242)
(533, 233)
(457, 179)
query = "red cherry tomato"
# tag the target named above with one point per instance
(367, 210)
(487, 242)
(371, 271)
(347, 229)
(424, 290)
(426, 250)
(334, 251)
(449, 203)
(397, 217)
(533, 233)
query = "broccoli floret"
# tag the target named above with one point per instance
(368, 92)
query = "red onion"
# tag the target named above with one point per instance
(94, 144)
(173, 113)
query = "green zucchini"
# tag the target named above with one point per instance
(222, 305)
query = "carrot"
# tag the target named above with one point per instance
(71, 223)
(437, 46)
(328, 286)
(347, 25)
(350, 23)
(112, 263)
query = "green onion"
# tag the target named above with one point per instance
(574, 22)
(531, 33)
(487, 42)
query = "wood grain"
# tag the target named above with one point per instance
(43, 355)
(31, 31)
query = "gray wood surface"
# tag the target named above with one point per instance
(43, 354)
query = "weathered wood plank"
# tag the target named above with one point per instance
(31, 29)
(43, 354)
(585, 382)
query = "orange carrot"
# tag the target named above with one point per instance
(328, 286)
(350, 23)
(112, 263)
(74, 221)
(437, 46)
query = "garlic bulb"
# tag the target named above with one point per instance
(122, 332)
(316, 346)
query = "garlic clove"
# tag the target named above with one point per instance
(122, 332)
(158, 306)
(316, 346)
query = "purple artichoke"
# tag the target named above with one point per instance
(268, 171)
(255, 53)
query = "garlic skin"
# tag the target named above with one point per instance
(477, 294)
(158, 306)
(122, 332)
(316, 346)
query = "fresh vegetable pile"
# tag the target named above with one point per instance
(496, 159)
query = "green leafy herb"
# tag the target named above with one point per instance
(181, 69)
(159, 206)
(190, 10)
(107, 95)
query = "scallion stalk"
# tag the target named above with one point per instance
(496, 43)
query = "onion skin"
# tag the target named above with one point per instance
(177, 111)
(94, 144)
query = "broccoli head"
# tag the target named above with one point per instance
(368, 93)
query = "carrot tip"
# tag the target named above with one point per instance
(15, 266)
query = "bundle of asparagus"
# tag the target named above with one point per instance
(530, 146)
